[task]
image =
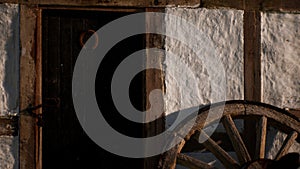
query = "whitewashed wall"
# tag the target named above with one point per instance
(9, 79)
(281, 59)
(281, 66)
(224, 28)
(280, 50)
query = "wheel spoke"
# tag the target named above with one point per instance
(236, 140)
(288, 142)
(261, 133)
(268, 115)
(191, 162)
(171, 156)
(220, 153)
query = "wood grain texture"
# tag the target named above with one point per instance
(252, 68)
(191, 162)
(221, 154)
(107, 3)
(295, 112)
(281, 5)
(276, 117)
(257, 5)
(237, 109)
(38, 90)
(261, 134)
(288, 142)
(169, 158)
(236, 139)
(154, 79)
(238, 4)
(254, 5)
(252, 57)
(27, 86)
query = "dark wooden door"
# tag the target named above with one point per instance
(65, 144)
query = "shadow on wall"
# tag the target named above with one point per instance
(274, 139)
(11, 78)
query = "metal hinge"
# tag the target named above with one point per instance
(29, 112)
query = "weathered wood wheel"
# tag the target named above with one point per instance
(264, 115)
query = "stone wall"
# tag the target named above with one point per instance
(9, 79)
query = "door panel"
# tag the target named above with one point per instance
(65, 144)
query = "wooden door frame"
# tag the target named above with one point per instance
(30, 83)
(31, 75)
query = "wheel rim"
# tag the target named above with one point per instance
(265, 116)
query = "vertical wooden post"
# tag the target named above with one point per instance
(252, 68)
(38, 90)
(154, 80)
(252, 56)
(28, 72)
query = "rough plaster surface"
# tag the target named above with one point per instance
(9, 79)
(8, 152)
(9, 58)
(274, 142)
(280, 64)
(281, 59)
(225, 30)
(280, 67)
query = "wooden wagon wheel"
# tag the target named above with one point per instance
(264, 115)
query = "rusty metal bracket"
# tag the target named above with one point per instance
(29, 112)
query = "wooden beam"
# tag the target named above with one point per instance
(191, 162)
(288, 142)
(281, 5)
(295, 112)
(154, 80)
(252, 70)
(237, 142)
(262, 5)
(108, 3)
(27, 86)
(38, 90)
(237, 4)
(169, 158)
(252, 56)
(261, 134)
(254, 5)
(103, 9)
(220, 153)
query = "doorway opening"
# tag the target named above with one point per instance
(65, 145)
